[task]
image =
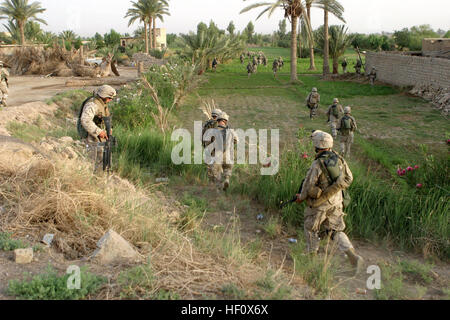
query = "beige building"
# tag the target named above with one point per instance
(161, 39)
(437, 47)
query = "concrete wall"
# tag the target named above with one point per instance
(406, 70)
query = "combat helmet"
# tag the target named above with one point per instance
(314, 89)
(216, 112)
(335, 100)
(223, 116)
(347, 110)
(322, 140)
(106, 91)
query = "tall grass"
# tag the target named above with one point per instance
(411, 217)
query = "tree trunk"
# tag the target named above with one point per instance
(22, 31)
(326, 47)
(335, 65)
(150, 33)
(146, 37)
(154, 33)
(294, 48)
(312, 63)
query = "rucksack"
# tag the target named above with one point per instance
(329, 161)
(335, 111)
(313, 99)
(97, 120)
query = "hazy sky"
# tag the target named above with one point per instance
(86, 17)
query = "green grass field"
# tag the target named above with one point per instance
(395, 129)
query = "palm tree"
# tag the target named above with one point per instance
(339, 41)
(293, 9)
(140, 11)
(159, 8)
(334, 7)
(312, 64)
(20, 12)
(68, 35)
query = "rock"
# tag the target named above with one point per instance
(23, 256)
(66, 139)
(159, 180)
(113, 249)
(46, 146)
(48, 238)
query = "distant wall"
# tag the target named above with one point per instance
(406, 70)
(8, 49)
(429, 46)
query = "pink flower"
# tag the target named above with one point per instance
(409, 169)
(416, 167)
(419, 185)
(305, 156)
(403, 172)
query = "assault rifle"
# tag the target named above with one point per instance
(294, 199)
(108, 145)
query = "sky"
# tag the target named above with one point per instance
(86, 17)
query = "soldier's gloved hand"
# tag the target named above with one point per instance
(298, 199)
(103, 135)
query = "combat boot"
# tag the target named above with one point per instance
(356, 260)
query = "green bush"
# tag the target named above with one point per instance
(50, 286)
(9, 244)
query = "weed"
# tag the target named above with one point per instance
(417, 270)
(26, 132)
(232, 292)
(273, 227)
(50, 286)
(9, 244)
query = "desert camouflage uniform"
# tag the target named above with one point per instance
(333, 120)
(4, 85)
(347, 136)
(329, 215)
(223, 170)
(91, 120)
(372, 76)
(313, 106)
(275, 67)
(242, 57)
(344, 65)
(210, 124)
(251, 68)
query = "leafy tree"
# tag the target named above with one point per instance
(20, 11)
(231, 27)
(171, 38)
(140, 11)
(339, 41)
(112, 38)
(335, 8)
(402, 38)
(68, 35)
(249, 31)
(447, 35)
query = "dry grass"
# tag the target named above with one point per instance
(65, 199)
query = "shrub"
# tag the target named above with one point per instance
(50, 286)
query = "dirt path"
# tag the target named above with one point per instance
(25, 89)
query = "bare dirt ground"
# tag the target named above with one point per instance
(26, 89)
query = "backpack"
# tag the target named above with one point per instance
(335, 111)
(313, 99)
(329, 161)
(97, 120)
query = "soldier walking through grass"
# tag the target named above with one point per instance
(275, 67)
(312, 102)
(91, 125)
(347, 127)
(358, 67)
(334, 114)
(373, 76)
(210, 124)
(224, 153)
(344, 65)
(323, 190)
